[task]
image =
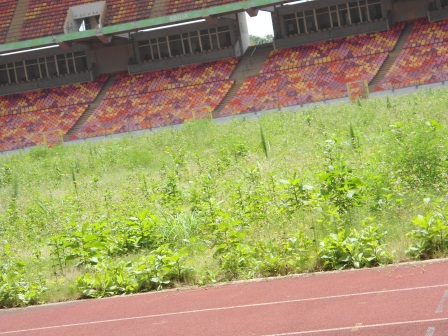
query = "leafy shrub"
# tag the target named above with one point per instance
(430, 238)
(234, 255)
(156, 271)
(285, 256)
(16, 290)
(354, 249)
(341, 187)
(88, 244)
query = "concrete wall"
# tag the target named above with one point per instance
(407, 9)
(437, 15)
(244, 32)
(297, 40)
(181, 60)
(112, 58)
(83, 77)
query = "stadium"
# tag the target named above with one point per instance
(91, 69)
(148, 145)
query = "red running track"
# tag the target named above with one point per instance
(407, 299)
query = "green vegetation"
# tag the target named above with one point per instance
(256, 40)
(322, 188)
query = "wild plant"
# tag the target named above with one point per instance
(16, 289)
(430, 237)
(353, 248)
(289, 254)
(155, 271)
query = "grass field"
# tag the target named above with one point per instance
(328, 187)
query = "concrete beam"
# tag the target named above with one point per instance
(252, 12)
(103, 38)
(66, 46)
(211, 20)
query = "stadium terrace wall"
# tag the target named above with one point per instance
(369, 27)
(439, 14)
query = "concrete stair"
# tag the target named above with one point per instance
(250, 65)
(92, 107)
(391, 58)
(17, 21)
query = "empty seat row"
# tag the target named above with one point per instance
(154, 109)
(305, 85)
(125, 85)
(38, 128)
(328, 51)
(424, 32)
(418, 65)
(51, 98)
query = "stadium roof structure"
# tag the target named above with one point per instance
(103, 32)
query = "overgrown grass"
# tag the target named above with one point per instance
(328, 187)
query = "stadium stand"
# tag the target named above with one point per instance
(304, 85)
(154, 109)
(47, 18)
(32, 129)
(51, 98)
(7, 8)
(328, 51)
(30, 118)
(423, 59)
(160, 98)
(316, 72)
(125, 85)
(425, 32)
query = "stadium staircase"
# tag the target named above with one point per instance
(249, 65)
(17, 21)
(91, 108)
(391, 58)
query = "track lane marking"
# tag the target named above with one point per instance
(357, 327)
(430, 331)
(442, 303)
(195, 311)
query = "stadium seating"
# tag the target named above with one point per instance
(177, 6)
(51, 98)
(153, 109)
(419, 65)
(160, 98)
(7, 8)
(304, 85)
(329, 51)
(31, 129)
(423, 32)
(125, 85)
(30, 118)
(44, 18)
(423, 59)
(316, 72)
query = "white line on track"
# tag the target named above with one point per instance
(358, 327)
(430, 331)
(263, 304)
(442, 303)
